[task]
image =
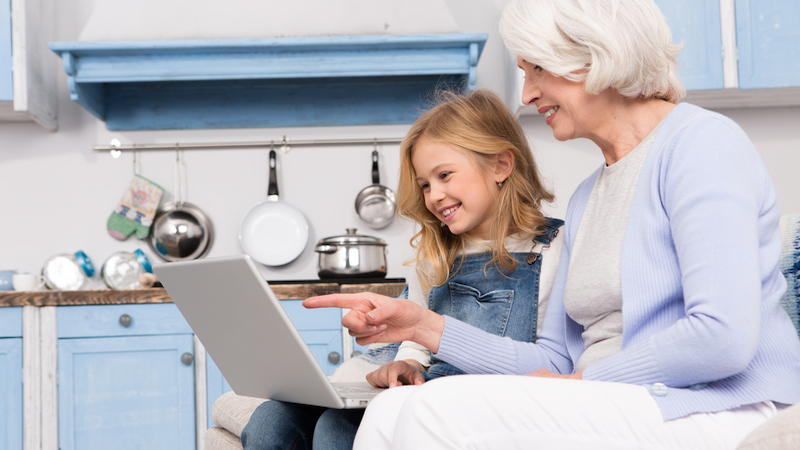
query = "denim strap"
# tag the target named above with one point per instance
(550, 231)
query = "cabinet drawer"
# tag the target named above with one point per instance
(11, 322)
(112, 320)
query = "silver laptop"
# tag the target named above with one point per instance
(242, 325)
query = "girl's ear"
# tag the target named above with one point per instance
(503, 166)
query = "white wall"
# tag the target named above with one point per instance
(57, 193)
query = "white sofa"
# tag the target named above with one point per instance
(231, 412)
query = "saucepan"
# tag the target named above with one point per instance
(351, 256)
(274, 232)
(376, 204)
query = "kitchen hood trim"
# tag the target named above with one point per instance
(125, 82)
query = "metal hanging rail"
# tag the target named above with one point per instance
(115, 146)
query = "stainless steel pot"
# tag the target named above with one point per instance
(351, 256)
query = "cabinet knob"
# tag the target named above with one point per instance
(355, 353)
(334, 357)
(125, 320)
(187, 358)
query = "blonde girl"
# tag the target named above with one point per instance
(469, 181)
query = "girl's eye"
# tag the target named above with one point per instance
(444, 175)
(424, 186)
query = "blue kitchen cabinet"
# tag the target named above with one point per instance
(28, 88)
(768, 38)
(321, 330)
(6, 63)
(697, 25)
(126, 378)
(11, 377)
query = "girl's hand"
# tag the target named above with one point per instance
(397, 373)
(544, 373)
(378, 318)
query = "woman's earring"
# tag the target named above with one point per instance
(499, 184)
(442, 224)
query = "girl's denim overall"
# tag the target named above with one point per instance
(494, 300)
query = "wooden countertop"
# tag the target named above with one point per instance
(159, 295)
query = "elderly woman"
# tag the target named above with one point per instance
(664, 328)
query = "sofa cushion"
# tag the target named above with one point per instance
(782, 432)
(219, 439)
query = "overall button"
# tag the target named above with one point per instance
(698, 386)
(658, 389)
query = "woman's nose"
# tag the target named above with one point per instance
(530, 91)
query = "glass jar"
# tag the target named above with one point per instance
(68, 272)
(123, 269)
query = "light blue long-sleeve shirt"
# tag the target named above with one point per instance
(701, 282)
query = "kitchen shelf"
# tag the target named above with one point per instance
(275, 82)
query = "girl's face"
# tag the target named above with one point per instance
(456, 190)
(568, 109)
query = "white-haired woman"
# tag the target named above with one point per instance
(666, 306)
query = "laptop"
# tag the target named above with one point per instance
(243, 326)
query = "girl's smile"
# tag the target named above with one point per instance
(457, 191)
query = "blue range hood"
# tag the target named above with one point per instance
(276, 82)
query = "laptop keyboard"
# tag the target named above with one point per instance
(342, 390)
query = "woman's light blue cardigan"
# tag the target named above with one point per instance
(701, 282)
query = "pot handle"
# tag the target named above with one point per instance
(375, 176)
(272, 189)
(325, 248)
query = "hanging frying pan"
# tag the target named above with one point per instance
(376, 204)
(274, 233)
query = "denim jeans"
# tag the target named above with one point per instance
(290, 426)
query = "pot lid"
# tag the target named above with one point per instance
(351, 238)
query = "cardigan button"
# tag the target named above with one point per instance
(658, 389)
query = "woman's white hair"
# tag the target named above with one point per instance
(621, 44)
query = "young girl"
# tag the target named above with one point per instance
(469, 181)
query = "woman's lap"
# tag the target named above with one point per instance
(500, 411)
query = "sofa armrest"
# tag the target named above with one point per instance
(231, 411)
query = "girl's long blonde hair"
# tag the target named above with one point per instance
(480, 125)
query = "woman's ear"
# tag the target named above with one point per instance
(503, 165)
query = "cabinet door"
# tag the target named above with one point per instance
(126, 393)
(10, 377)
(768, 37)
(11, 393)
(321, 330)
(696, 24)
(6, 88)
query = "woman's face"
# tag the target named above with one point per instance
(568, 109)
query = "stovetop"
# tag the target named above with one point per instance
(341, 281)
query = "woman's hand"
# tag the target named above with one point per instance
(378, 318)
(544, 373)
(397, 373)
